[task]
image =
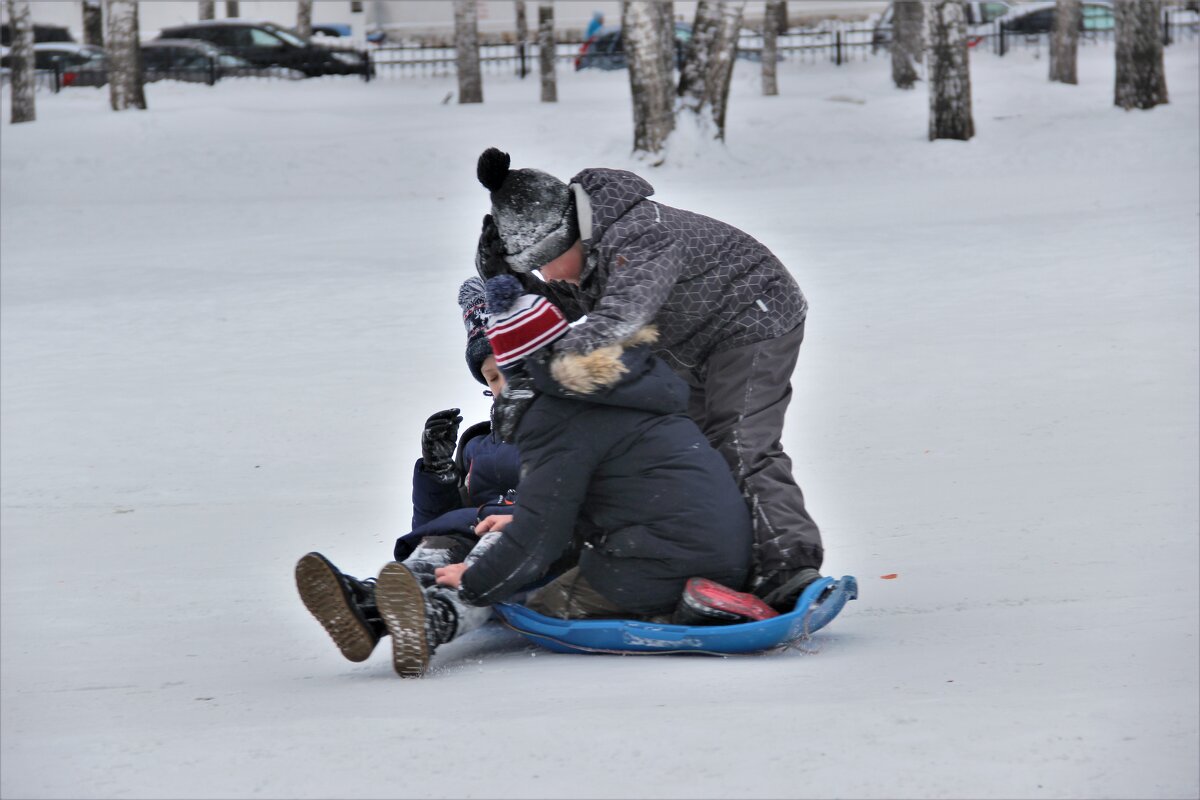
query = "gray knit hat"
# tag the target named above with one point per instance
(473, 303)
(534, 212)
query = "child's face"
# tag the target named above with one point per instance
(493, 375)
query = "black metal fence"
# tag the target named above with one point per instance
(839, 44)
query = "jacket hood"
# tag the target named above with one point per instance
(626, 374)
(608, 196)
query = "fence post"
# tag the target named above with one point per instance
(212, 71)
(521, 70)
(58, 76)
(838, 48)
(1003, 41)
(1166, 27)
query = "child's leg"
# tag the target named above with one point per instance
(434, 552)
(421, 618)
(740, 407)
(570, 596)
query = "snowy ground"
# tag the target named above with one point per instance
(225, 319)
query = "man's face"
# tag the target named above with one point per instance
(566, 267)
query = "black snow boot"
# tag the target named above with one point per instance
(706, 602)
(345, 606)
(419, 619)
(782, 589)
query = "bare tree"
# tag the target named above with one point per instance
(949, 71)
(908, 42)
(466, 46)
(304, 18)
(522, 36)
(21, 57)
(1141, 80)
(93, 23)
(1064, 41)
(522, 22)
(546, 51)
(650, 85)
(124, 56)
(666, 28)
(208, 9)
(770, 51)
(708, 68)
(693, 77)
(232, 9)
(724, 54)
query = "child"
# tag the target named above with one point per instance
(729, 314)
(623, 468)
(451, 496)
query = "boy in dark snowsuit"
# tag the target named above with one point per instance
(623, 469)
(455, 489)
(730, 319)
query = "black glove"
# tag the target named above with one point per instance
(511, 404)
(489, 255)
(438, 441)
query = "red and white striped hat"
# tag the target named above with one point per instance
(519, 324)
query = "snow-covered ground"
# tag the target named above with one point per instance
(225, 320)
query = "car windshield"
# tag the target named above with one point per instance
(288, 37)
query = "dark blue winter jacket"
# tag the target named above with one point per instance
(489, 469)
(625, 470)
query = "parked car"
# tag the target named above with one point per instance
(41, 33)
(78, 64)
(267, 44)
(980, 14)
(198, 61)
(1035, 18)
(605, 50)
(334, 29)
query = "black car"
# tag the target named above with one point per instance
(198, 61)
(41, 33)
(267, 44)
(1035, 18)
(75, 64)
(606, 50)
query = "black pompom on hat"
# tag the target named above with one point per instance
(472, 301)
(534, 212)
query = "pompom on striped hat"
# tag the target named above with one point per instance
(518, 323)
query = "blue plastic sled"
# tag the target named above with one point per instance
(815, 609)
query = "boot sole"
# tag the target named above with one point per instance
(401, 603)
(325, 598)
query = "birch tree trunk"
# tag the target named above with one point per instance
(650, 85)
(522, 22)
(949, 71)
(232, 9)
(546, 51)
(466, 47)
(777, 16)
(124, 56)
(1141, 81)
(908, 42)
(21, 57)
(666, 29)
(693, 78)
(770, 51)
(93, 23)
(724, 55)
(208, 9)
(1064, 41)
(304, 18)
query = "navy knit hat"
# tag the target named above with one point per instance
(534, 212)
(474, 311)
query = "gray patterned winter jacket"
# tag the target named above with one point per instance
(706, 285)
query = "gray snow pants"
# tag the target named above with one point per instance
(739, 403)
